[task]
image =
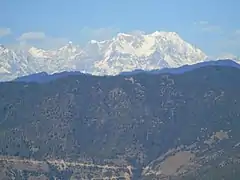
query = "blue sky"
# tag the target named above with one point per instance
(212, 25)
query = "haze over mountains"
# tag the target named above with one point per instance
(124, 52)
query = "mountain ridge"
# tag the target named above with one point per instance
(44, 77)
(186, 68)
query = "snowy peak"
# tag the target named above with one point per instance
(165, 34)
(127, 52)
(3, 49)
(137, 45)
(39, 53)
(68, 47)
(68, 50)
(65, 51)
(145, 45)
(12, 63)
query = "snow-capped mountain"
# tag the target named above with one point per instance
(127, 52)
(124, 52)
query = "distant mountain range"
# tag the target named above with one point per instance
(45, 77)
(124, 52)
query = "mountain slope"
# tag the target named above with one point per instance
(155, 126)
(124, 52)
(12, 64)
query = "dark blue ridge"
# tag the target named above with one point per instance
(44, 77)
(186, 68)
